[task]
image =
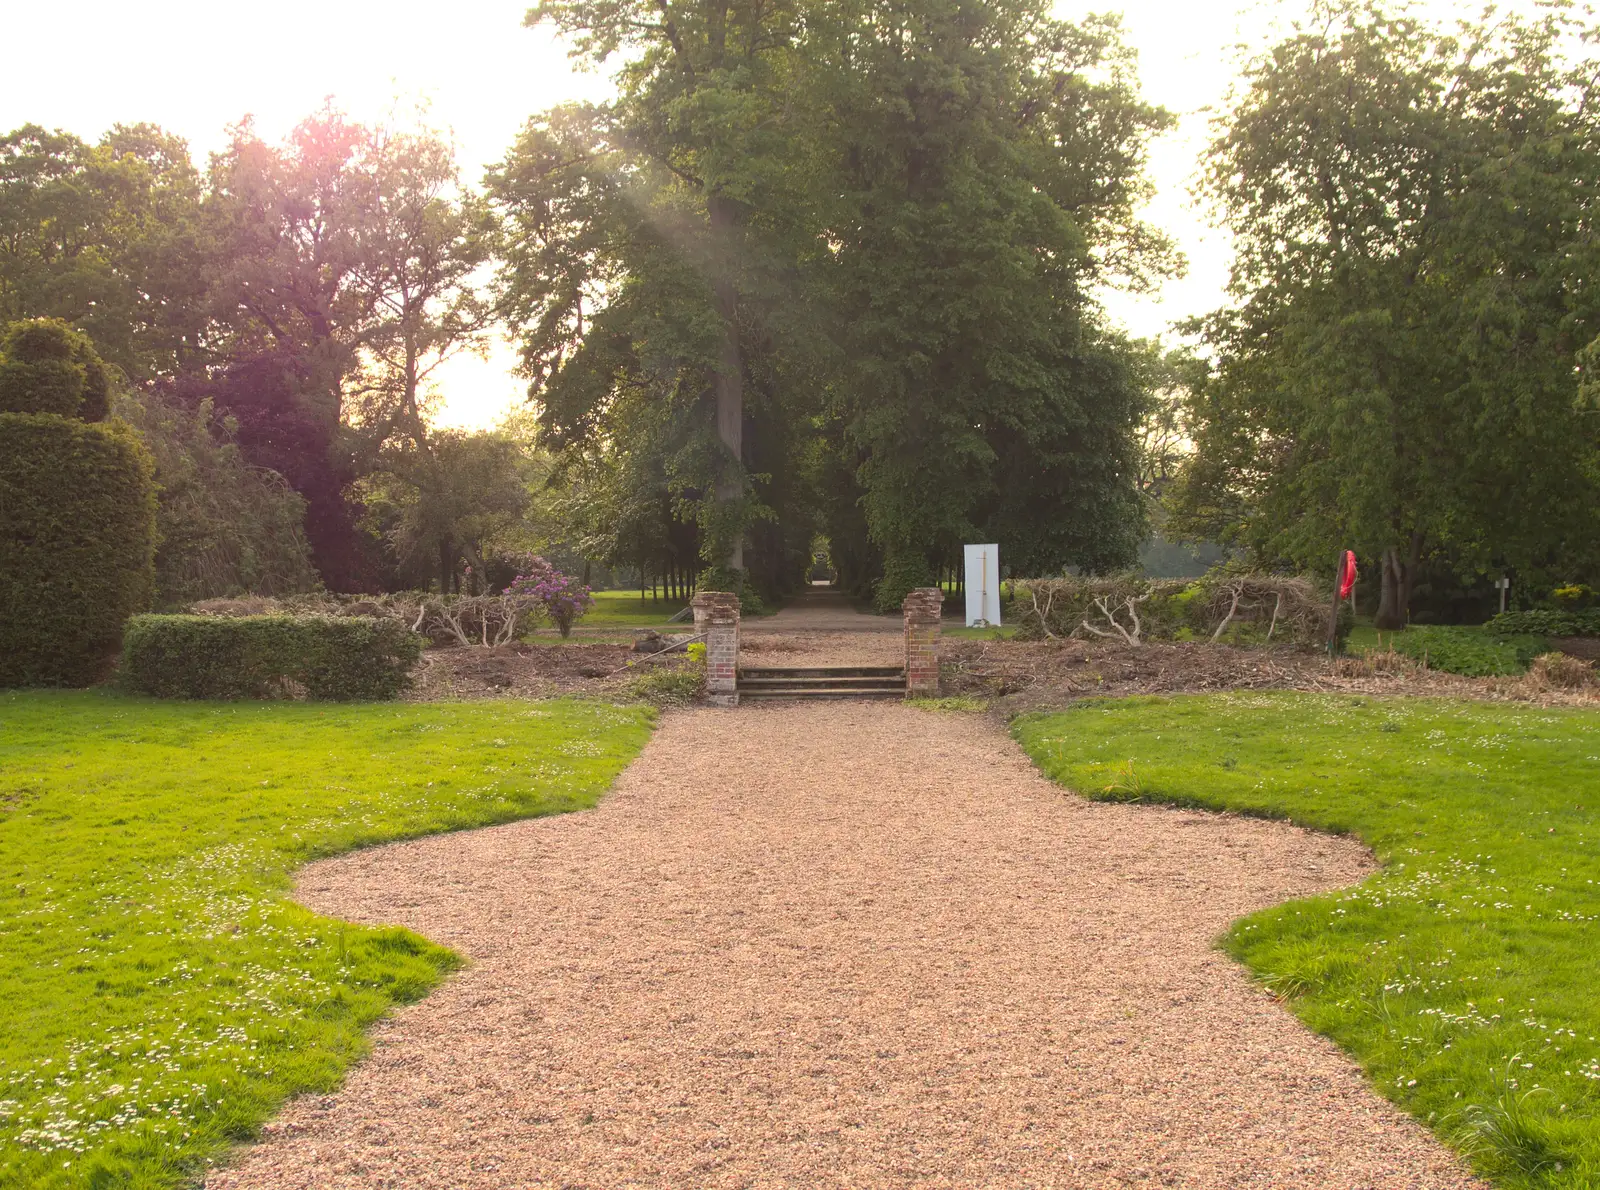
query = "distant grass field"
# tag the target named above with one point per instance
(1464, 975)
(161, 996)
(626, 609)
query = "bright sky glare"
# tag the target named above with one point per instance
(195, 67)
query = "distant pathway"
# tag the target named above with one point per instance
(821, 609)
(843, 946)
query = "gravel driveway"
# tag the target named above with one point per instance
(847, 945)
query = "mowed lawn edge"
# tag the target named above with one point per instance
(164, 995)
(1462, 976)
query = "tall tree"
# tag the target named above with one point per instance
(1415, 240)
(107, 237)
(343, 267)
(647, 238)
(883, 219)
(983, 166)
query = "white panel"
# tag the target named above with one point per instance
(983, 584)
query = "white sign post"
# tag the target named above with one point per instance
(983, 585)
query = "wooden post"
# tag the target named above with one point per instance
(1333, 620)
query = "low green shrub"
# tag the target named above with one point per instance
(349, 657)
(1473, 652)
(1547, 623)
(666, 685)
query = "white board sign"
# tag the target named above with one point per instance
(983, 585)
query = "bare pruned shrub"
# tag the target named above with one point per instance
(1132, 609)
(488, 620)
(1557, 671)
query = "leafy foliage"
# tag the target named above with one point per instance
(560, 597)
(1546, 623)
(225, 526)
(47, 367)
(1414, 252)
(870, 226)
(337, 658)
(106, 237)
(1475, 652)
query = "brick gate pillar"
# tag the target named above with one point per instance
(716, 617)
(921, 611)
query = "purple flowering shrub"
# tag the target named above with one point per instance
(559, 596)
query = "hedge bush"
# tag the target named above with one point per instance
(1547, 623)
(322, 657)
(47, 367)
(77, 545)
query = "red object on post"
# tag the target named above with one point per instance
(1347, 574)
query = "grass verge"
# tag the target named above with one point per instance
(1463, 975)
(162, 994)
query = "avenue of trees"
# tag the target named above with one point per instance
(829, 272)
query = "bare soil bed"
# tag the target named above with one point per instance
(848, 945)
(525, 671)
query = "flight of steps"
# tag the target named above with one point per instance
(822, 681)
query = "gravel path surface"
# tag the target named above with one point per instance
(847, 945)
(822, 648)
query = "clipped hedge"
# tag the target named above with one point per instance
(321, 657)
(77, 546)
(1546, 623)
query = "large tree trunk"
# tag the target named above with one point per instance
(729, 380)
(1398, 576)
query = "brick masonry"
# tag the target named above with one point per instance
(716, 617)
(921, 610)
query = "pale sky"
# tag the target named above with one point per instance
(197, 67)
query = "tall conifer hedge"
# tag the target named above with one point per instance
(77, 512)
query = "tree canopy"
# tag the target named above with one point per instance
(856, 243)
(1415, 241)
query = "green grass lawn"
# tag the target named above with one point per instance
(161, 995)
(1465, 976)
(626, 609)
(959, 631)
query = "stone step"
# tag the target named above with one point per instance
(885, 673)
(809, 694)
(746, 683)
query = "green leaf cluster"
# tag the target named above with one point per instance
(1547, 623)
(827, 267)
(1415, 241)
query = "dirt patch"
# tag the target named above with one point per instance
(1032, 675)
(528, 671)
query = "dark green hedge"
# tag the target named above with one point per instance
(77, 540)
(329, 657)
(47, 367)
(1547, 623)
